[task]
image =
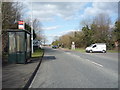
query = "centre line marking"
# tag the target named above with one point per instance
(68, 53)
(86, 59)
(97, 64)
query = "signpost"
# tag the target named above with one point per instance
(73, 46)
(21, 25)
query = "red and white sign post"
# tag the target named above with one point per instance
(21, 25)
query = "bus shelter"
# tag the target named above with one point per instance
(19, 46)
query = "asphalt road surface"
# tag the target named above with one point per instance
(71, 69)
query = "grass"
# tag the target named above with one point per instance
(80, 49)
(77, 49)
(83, 50)
(38, 53)
(112, 51)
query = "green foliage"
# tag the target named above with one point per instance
(28, 27)
(88, 35)
(56, 42)
(80, 49)
(34, 35)
(116, 32)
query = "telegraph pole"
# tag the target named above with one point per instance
(31, 27)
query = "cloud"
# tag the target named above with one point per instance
(50, 28)
(67, 31)
(46, 11)
(60, 33)
(109, 8)
(52, 35)
(65, 0)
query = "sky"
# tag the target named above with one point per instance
(59, 18)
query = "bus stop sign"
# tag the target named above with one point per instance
(21, 25)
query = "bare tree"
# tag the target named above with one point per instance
(101, 27)
(86, 22)
(102, 19)
(11, 13)
(66, 40)
(36, 27)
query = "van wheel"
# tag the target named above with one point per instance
(90, 51)
(104, 51)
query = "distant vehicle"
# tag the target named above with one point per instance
(97, 47)
(36, 43)
(55, 46)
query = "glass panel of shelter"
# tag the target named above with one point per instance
(20, 41)
(12, 42)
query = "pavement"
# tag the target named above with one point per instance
(71, 69)
(19, 75)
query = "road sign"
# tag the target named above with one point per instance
(21, 25)
(73, 43)
(73, 46)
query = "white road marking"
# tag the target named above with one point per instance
(68, 53)
(97, 64)
(74, 55)
(54, 49)
(85, 59)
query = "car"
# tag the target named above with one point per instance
(97, 47)
(55, 46)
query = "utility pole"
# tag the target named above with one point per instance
(1, 44)
(31, 28)
(44, 41)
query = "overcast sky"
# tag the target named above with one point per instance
(58, 18)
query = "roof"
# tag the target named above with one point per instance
(17, 30)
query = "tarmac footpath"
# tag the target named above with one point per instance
(20, 75)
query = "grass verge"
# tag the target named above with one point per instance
(38, 53)
(83, 50)
(80, 50)
(112, 51)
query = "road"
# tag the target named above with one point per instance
(72, 69)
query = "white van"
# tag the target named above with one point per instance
(97, 47)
